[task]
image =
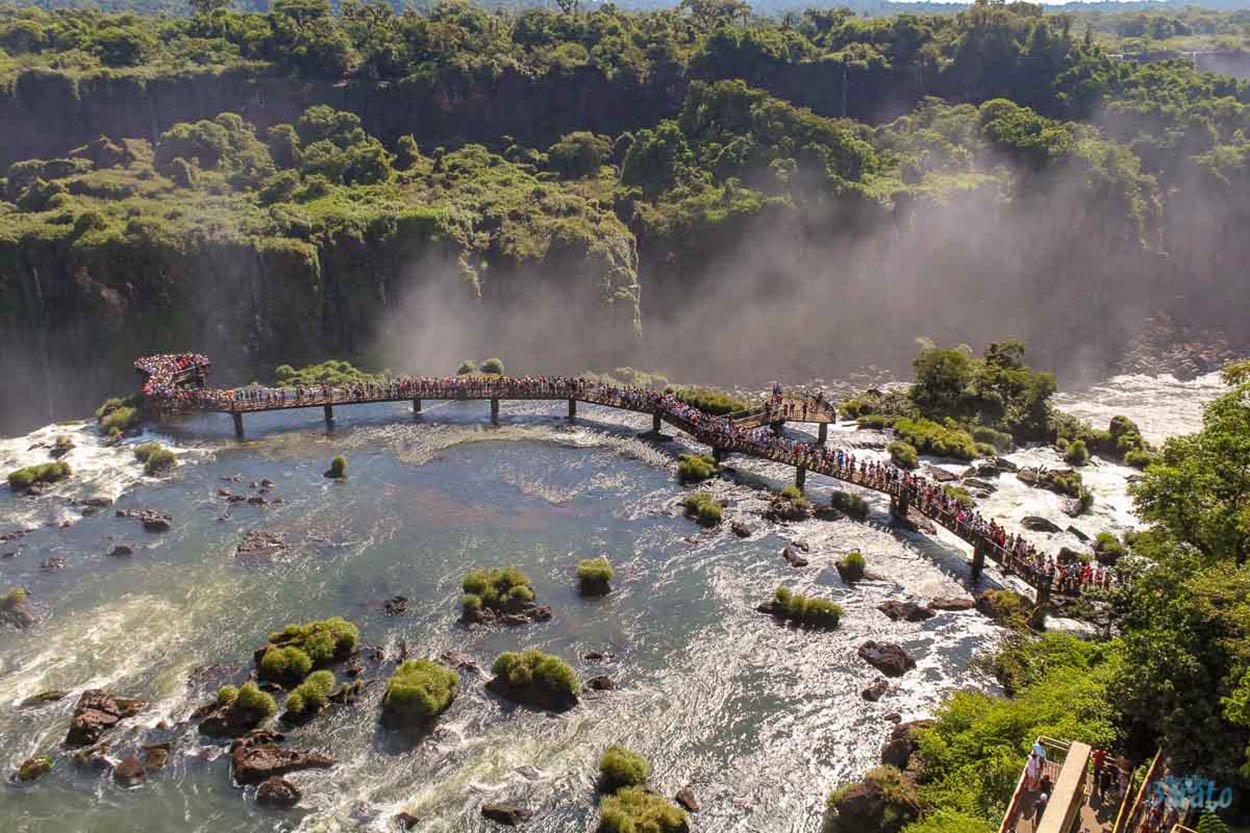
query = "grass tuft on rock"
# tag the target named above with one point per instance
(338, 468)
(704, 508)
(695, 468)
(532, 676)
(634, 810)
(594, 576)
(155, 457)
(418, 691)
(324, 641)
(852, 566)
(51, 472)
(286, 666)
(903, 455)
(498, 588)
(620, 767)
(806, 610)
(849, 504)
(310, 696)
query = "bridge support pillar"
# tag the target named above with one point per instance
(329, 409)
(978, 560)
(572, 409)
(494, 409)
(416, 407)
(655, 423)
(900, 505)
(800, 477)
(1038, 618)
(238, 424)
(822, 433)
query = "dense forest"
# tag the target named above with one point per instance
(667, 188)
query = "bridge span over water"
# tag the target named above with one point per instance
(178, 384)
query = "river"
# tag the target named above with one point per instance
(762, 721)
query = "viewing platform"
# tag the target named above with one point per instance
(177, 384)
(1075, 803)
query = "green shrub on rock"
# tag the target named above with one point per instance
(499, 589)
(155, 458)
(338, 468)
(619, 767)
(42, 473)
(704, 508)
(33, 768)
(710, 400)
(938, 439)
(418, 691)
(885, 800)
(849, 504)
(467, 367)
(693, 468)
(594, 575)
(903, 455)
(1000, 440)
(287, 666)
(324, 641)
(493, 365)
(805, 610)
(310, 696)
(535, 678)
(1076, 453)
(960, 495)
(634, 810)
(852, 566)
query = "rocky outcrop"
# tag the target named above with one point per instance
(902, 743)
(524, 613)
(686, 800)
(601, 683)
(120, 551)
(156, 521)
(540, 696)
(32, 769)
(742, 530)
(952, 604)
(259, 543)
(886, 657)
(14, 612)
(884, 802)
(96, 713)
(278, 792)
(791, 555)
(509, 815)
(876, 691)
(905, 611)
(227, 721)
(130, 772)
(259, 757)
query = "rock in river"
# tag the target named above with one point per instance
(156, 521)
(258, 543)
(258, 757)
(1033, 523)
(96, 712)
(886, 657)
(507, 814)
(130, 772)
(686, 800)
(876, 691)
(905, 611)
(278, 792)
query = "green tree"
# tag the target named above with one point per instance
(942, 380)
(579, 154)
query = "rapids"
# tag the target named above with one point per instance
(760, 719)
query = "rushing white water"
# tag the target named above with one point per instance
(761, 719)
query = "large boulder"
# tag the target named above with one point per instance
(686, 800)
(156, 521)
(886, 657)
(902, 743)
(884, 802)
(259, 757)
(876, 690)
(905, 611)
(14, 612)
(1034, 523)
(278, 792)
(130, 772)
(96, 713)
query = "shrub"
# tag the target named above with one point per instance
(466, 367)
(419, 690)
(929, 437)
(155, 458)
(875, 420)
(1138, 458)
(1076, 454)
(594, 575)
(493, 365)
(704, 508)
(496, 588)
(42, 473)
(960, 495)
(33, 768)
(852, 566)
(323, 641)
(619, 767)
(531, 667)
(1004, 606)
(1109, 546)
(338, 468)
(116, 416)
(309, 697)
(250, 700)
(692, 468)
(899, 803)
(849, 504)
(710, 400)
(284, 665)
(1000, 440)
(821, 613)
(903, 455)
(633, 810)
(226, 695)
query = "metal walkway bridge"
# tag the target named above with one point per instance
(178, 384)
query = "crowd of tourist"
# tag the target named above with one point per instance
(166, 386)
